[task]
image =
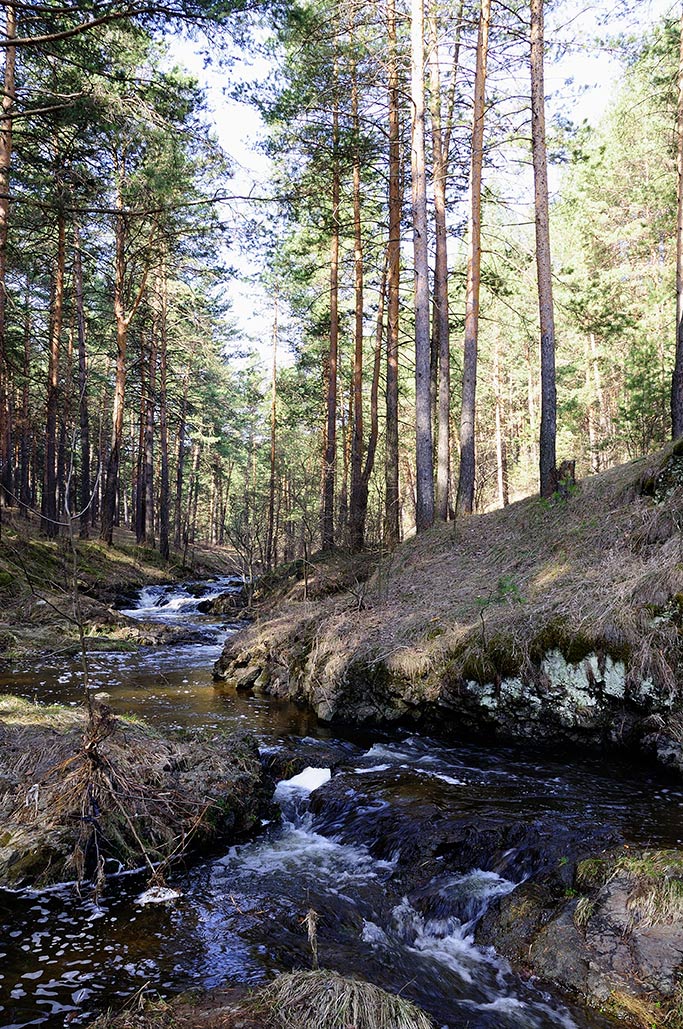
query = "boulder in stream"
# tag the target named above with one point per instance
(614, 940)
(85, 794)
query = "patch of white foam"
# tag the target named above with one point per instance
(157, 895)
(307, 781)
(373, 768)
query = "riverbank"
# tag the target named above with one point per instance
(301, 1000)
(41, 580)
(556, 621)
(86, 793)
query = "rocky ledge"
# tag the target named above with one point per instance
(83, 794)
(613, 938)
(590, 701)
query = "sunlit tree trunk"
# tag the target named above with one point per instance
(180, 463)
(424, 463)
(84, 421)
(112, 476)
(150, 408)
(25, 494)
(164, 492)
(465, 498)
(48, 520)
(548, 461)
(677, 378)
(440, 315)
(392, 506)
(501, 448)
(273, 430)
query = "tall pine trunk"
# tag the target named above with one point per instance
(330, 455)
(111, 483)
(7, 107)
(164, 492)
(25, 495)
(441, 137)
(424, 462)
(148, 533)
(84, 421)
(677, 378)
(548, 461)
(49, 520)
(465, 498)
(392, 503)
(273, 430)
(356, 513)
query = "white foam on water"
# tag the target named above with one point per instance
(373, 768)
(307, 781)
(157, 895)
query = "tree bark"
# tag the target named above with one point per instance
(123, 318)
(164, 497)
(501, 448)
(392, 504)
(356, 519)
(677, 377)
(8, 99)
(330, 456)
(548, 460)
(423, 421)
(180, 464)
(440, 313)
(465, 497)
(148, 528)
(48, 520)
(25, 495)
(273, 429)
(84, 421)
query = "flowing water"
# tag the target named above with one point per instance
(399, 842)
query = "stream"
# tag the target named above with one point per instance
(398, 841)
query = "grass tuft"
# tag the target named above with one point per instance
(326, 1000)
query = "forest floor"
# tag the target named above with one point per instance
(38, 614)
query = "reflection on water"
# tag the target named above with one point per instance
(339, 850)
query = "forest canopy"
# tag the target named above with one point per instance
(475, 290)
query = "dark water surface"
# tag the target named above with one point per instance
(344, 844)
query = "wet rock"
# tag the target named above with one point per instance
(231, 601)
(422, 833)
(245, 678)
(615, 941)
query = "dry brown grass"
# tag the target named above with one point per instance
(600, 571)
(325, 1000)
(74, 791)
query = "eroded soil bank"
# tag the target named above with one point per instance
(558, 621)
